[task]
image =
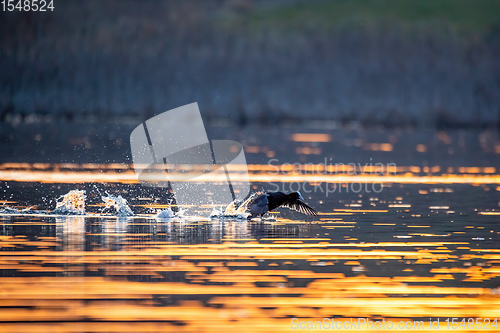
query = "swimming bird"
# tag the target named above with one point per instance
(272, 200)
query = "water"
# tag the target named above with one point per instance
(72, 203)
(118, 204)
(426, 246)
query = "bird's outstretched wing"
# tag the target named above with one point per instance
(301, 207)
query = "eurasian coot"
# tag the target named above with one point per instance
(272, 200)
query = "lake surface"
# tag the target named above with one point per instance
(417, 239)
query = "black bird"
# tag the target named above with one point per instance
(272, 200)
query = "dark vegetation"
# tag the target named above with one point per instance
(396, 63)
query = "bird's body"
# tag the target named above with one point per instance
(272, 200)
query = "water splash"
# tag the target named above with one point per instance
(8, 210)
(72, 203)
(231, 209)
(119, 204)
(216, 212)
(236, 209)
(181, 212)
(32, 211)
(169, 213)
(165, 214)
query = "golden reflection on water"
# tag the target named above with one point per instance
(312, 173)
(98, 273)
(130, 283)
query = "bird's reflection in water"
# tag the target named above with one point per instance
(79, 233)
(182, 231)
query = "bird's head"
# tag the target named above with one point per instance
(296, 196)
